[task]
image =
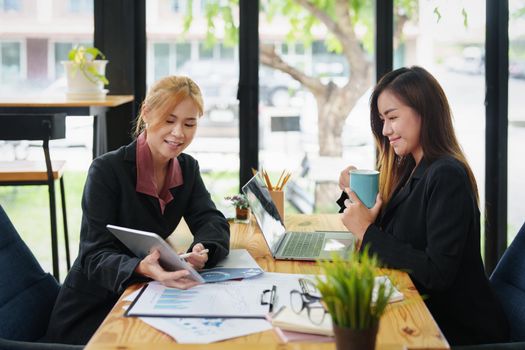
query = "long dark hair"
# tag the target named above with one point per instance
(419, 90)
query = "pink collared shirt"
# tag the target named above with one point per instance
(145, 175)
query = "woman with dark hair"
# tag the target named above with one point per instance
(426, 218)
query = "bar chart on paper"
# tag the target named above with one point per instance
(206, 330)
(178, 299)
(232, 300)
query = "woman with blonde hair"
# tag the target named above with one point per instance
(426, 219)
(147, 185)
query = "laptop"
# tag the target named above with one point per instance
(292, 245)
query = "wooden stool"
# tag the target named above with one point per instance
(42, 127)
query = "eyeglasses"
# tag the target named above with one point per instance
(315, 310)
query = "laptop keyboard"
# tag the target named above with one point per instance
(307, 245)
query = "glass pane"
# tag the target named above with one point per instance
(81, 6)
(317, 127)
(61, 54)
(454, 54)
(516, 143)
(9, 5)
(29, 64)
(183, 53)
(205, 51)
(36, 37)
(214, 67)
(161, 52)
(11, 62)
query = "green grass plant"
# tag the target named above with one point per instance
(347, 290)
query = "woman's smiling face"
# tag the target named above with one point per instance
(169, 136)
(401, 125)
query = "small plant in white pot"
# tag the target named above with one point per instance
(86, 73)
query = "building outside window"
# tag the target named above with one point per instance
(10, 62)
(80, 6)
(10, 5)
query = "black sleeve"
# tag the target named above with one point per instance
(103, 258)
(341, 201)
(208, 225)
(449, 214)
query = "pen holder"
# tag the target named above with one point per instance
(278, 200)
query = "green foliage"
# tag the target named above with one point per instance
(302, 22)
(464, 14)
(348, 288)
(239, 201)
(438, 14)
(518, 12)
(82, 58)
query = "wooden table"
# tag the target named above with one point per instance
(406, 324)
(61, 104)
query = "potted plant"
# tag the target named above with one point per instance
(242, 210)
(86, 73)
(348, 294)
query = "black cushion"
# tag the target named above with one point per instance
(508, 281)
(27, 293)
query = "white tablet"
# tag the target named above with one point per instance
(141, 243)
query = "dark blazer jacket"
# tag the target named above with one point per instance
(104, 267)
(431, 229)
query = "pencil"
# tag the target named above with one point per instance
(278, 187)
(268, 182)
(286, 178)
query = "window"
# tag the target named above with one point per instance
(61, 54)
(161, 53)
(10, 5)
(454, 54)
(183, 53)
(31, 63)
(215, 69)
(10, 62)
(205, 51)
(296, 130)
(516, 140)
(179, 6)
(80, 6)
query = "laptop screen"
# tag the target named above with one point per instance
(265, 212)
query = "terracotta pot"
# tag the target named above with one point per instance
(351, 339)
(242, 213)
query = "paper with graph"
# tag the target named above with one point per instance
(205, 300)
(206, 330)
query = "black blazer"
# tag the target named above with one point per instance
(431, 229)
(104, 267)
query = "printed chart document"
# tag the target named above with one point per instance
(285, 282)
(205, 300)
(238, 264)
(206, 330)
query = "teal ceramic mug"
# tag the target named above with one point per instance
(365, 184)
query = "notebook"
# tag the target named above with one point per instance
(291, 245)
(288, 320)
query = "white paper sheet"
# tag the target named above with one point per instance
(205, 300)
(206, 330)
(285, 282)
